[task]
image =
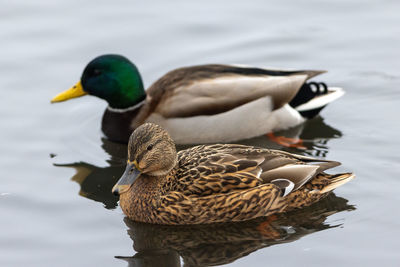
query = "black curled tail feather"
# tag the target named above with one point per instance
(307, 92)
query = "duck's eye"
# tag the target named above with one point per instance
(150, 147)
(96, 72)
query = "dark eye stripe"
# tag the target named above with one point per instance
(141, 155)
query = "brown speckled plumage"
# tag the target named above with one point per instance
(218, 183)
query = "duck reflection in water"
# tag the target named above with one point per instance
(218, 244)
(310, 138)
(96, 182)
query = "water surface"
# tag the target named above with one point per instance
(57, 169)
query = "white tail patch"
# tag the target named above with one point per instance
(322, 100)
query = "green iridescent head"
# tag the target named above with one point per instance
(111, 77)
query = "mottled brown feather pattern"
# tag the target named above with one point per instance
(217, 183)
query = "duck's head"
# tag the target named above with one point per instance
(151, 152)
(111, 77)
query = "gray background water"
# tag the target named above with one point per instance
(49, 215)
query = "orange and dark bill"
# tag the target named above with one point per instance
(125, 182)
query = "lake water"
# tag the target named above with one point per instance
(56, 208)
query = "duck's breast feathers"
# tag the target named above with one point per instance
(213, 89)
(215, 169)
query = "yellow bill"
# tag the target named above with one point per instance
(75, 91)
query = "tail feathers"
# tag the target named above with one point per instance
(312, 97)
(316, 189)
(336, 181)
(308, 101)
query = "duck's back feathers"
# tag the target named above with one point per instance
(205, 170)
(213, 89)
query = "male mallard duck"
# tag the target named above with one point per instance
(216, 183)
(201, 104)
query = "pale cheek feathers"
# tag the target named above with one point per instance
(152, 162)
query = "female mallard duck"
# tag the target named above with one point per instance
(201, 104)
(216, 183)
